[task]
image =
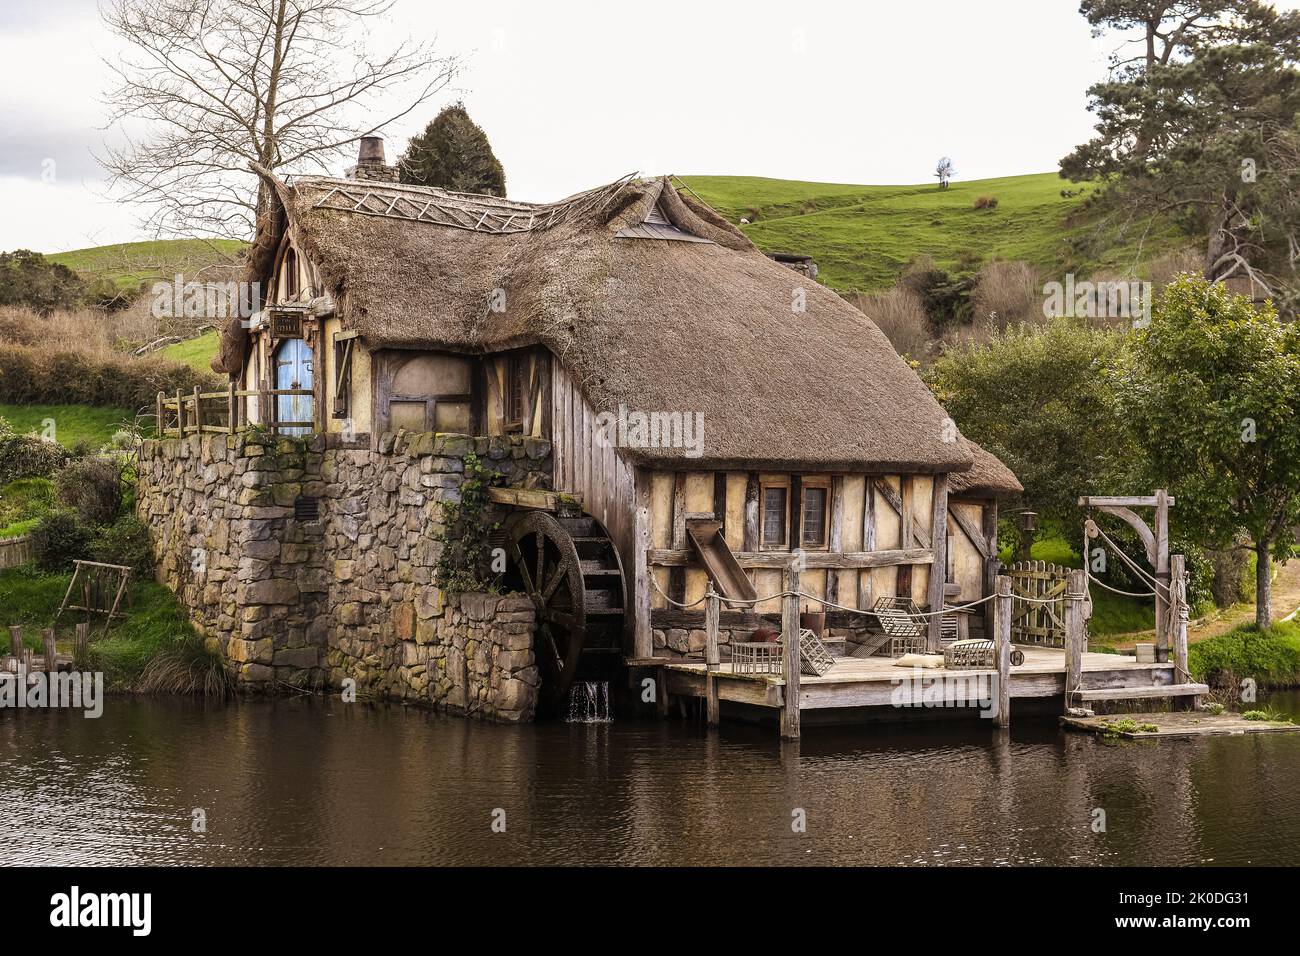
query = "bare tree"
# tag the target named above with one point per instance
(944, 171)
(218, 85)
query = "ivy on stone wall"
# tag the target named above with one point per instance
(465, 562)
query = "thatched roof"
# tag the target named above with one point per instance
(988, 476)
(654, 325)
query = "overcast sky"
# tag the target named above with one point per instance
(575, 93)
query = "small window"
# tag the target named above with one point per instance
(776, 512)
(342, 375)
(290, 269)
(813, 524)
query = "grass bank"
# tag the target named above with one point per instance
(72, 424)
(197, 352)
(153, 649)
(1271, 657)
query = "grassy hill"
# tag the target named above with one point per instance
(863, 236)
(130, 263)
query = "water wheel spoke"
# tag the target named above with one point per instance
(558, 575)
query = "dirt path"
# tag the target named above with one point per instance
(1286, 601)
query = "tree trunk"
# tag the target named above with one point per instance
(1263, 584)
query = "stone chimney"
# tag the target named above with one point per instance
(370, 162)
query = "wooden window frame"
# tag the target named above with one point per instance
(344, 347)
(771, 482)
(516, 374)
(822, 483)
(391, 364)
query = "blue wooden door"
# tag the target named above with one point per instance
(293, 369)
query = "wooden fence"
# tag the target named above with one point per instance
(15, 551)
(1034, 622)
(197, 412)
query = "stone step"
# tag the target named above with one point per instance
(1138, 693)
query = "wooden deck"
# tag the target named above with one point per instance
(875, 681)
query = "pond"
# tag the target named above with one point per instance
(318, 782)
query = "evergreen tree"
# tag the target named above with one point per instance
(453, 153)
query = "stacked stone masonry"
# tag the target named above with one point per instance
(289, 599)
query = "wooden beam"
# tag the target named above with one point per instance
(836, 542)
(895, 501)
(532, 498)
(1123, 501)
(1002, 644)
(1075, 637)
(939, 569)
(776, 560)
(642, 632)
(992, 566)
(711, 660)
(790, 650)
(677, 576)
(973, 532)
(868, 541)
(720, 499)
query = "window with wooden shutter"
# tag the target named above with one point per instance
(343, 346)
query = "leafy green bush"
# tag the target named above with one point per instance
(28, 278)
(32, 376)
(125, 541)
(93, 486)
(1271, 657)
(59, 539)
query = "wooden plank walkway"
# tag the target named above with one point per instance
(1179, 724)
(873, 681)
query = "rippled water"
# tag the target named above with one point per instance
(318, 782)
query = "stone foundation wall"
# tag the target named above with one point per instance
(292, 597)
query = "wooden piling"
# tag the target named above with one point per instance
(712, 661)
(1162, 575)
(1002, 616)
(790, 653)
(939, 568)
(16, 641)
(82, 642)
(1075, 637)
(1178, 594)
(51, 652)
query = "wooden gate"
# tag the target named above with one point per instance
(1040, 621)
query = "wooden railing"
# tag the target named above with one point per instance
(198, 412)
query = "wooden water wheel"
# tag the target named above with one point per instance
(570, 568)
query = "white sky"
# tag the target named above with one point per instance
(573, 93)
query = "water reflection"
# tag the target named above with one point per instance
(318, 782)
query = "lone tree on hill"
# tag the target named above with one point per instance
(1212, 390)
(944, 170)
(453, 152)
(222, 84)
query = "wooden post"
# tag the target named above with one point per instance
(939, 569)
(82, 642)
(27, 660)
(198, 411)
(231, 412)
(790, 653)
(159, 416)
(1162, 575)
(50, 652)
(1075, 638)
(992, 566)
(16, 642)
(1178, 591)
(711, 658)
(662, 688)
(1002, 615)
(180, 413)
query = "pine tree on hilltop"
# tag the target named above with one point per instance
(453, 153)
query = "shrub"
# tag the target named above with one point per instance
(125, 541)
(986, 202)
(26, 456)
(59, 539)
(93, 487)
(900, 314)
(28, 278)
(1270, 657)
(1007, 294)
(32, 376)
